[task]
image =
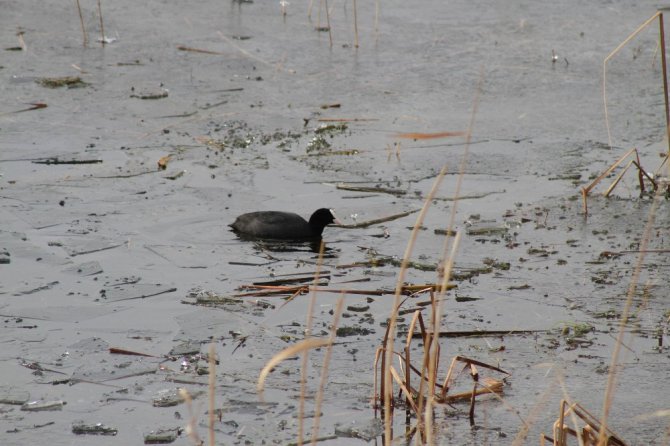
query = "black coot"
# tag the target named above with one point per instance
(283, 225)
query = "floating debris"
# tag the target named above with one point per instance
(198, 50)
(85, 269)
(486, 229)
(186, 348)
(343, 332)
(41, 405)
(162, 436)
(56, 160)
(65, 81)
(133, 291)
(366, 431)
(4, 256)
(160, 94)
(589, 433)
(9, 395)
(416, 136)
(358, 308)
(172, 397)
(176, 175)
(163, 162)
(382, 190)
(331, 129)
(81, 428)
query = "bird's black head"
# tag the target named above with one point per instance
(322, 218)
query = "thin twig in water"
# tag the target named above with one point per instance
(198, 50)
(324, 370)
(212, 387)
(607, 59)
(365, 224)
(251, 56)
(330, 32)
(83, 28)
(102, 26)
(614, 363)
(416, 135)
(382, 190)
(389, 341)
(305, 354)
(355, 25)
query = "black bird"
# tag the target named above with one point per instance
(283, 225)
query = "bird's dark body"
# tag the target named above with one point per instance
(282, 225)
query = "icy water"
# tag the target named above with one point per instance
(102, 253)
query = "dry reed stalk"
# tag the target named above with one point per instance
(330, 31)
(376, 20)
(587, 189)
(618, 178)
(635, 277)
(534, 413)
(288, 352)
(437, 135)
(374, 221)
(355, 25)
(389, 341)
(408, 360)
(448, 257)
(664, 67)
(249, 55)
(611, 381)
(22, 41)
(324, 370)
(468, 364)
(346, 119)
(305, 355)
(425, 403)
(198, 50)
(430, 360)
(491, 385)
(616, 50)
(378, 354)
(102, 26)
(81, 21)
(191, 427)
(212, 383)
(587, 432)
(407, 391)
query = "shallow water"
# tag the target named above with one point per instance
(114, 254)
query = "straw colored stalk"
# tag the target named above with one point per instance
(305, 356)
(448, 256)
(212, 383)
(635, 277)
(191, 427)
(324, 369)
(487, 385)
(659, 16)
(81, 21)
(587, 189)
(387, 391)
(102, 26)
(355, 25)
(288, 352)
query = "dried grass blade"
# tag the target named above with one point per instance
(613, 166)
(618, 179)
(418, 135)
(289, 352)
(198, 50)
(405, 390)
(495, 388)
